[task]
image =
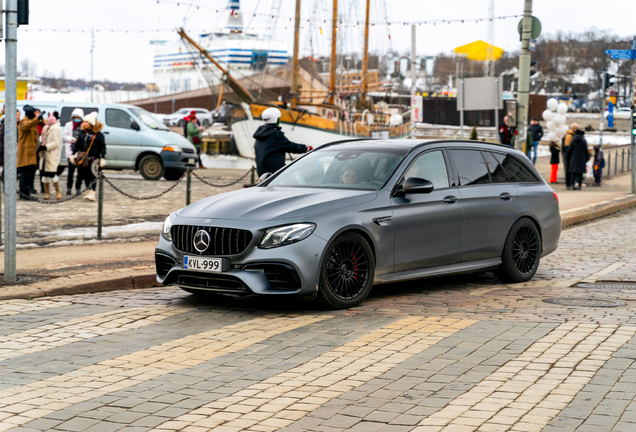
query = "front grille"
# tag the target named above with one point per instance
(188, 150)
(163, 264)
(218, 282)
(281, 276)
(223, 241)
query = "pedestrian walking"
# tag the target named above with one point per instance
(194, 134)
(598, 163)
(565, 144)
(71, 132)
(89, 152)
(51, 150)
(554, 161)
(271, 144)
(27, 146)
(537, 133)
(505, 132)
(578, 155)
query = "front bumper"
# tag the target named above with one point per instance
(290, 270)
(179, 160)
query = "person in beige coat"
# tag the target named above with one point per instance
(50, 157)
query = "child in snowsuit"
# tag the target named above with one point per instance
(598, 165)
(554, 161)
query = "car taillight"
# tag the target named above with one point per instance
(556, 197)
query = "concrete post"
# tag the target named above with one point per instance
(10, 140)
(524, 77)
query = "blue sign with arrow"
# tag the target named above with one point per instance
(621, 54)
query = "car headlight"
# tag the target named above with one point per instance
(286, 235)
(166, 231)
(173, 148)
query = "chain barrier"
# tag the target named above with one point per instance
(204, 181)
(50, 202)
(126, 194)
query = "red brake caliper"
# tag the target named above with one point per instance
(355, 267)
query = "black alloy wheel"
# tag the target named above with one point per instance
(347, 271)
(521, 254)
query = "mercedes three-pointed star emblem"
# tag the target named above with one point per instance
(201, 241)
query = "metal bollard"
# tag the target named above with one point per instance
(188, 186)
(623, 161)
(253, 178)
(100, 205)
(615, 162)
(609, 164)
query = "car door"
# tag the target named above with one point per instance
(428, 227)
(123, 141)
(489, 200)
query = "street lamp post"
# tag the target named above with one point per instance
(524, 76)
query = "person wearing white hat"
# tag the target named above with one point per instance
(70, 134)
(89, 149)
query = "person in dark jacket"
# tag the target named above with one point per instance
(537, 133)
(505, 132)
(554, 161)
(565, 144)
(271, 144)
(91, 140)
(578, 155)
(598, 163)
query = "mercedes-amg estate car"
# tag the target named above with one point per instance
(352, 214)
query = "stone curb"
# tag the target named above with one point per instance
(120, 283)
(573, 217)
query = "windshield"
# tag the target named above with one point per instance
(149, 119)
(354, 168)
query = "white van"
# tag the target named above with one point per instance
(135, 138)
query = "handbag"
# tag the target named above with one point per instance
(81, 158)
(196, 140)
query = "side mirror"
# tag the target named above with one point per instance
(134, 126)
(415, 185)
(264, 177)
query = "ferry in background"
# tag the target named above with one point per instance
(178, 70)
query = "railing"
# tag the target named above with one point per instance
(621, 157)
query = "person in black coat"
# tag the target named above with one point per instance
(554, 161)
(271, 144)
(578, 155)
(91, 140)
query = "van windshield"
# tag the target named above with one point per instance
(149, 119)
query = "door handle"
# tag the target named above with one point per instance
(450, 200)
(105, 133)
(505, 196)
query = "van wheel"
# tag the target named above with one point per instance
(173, 174)
(347, 272)
(151, 167)
(521, 253)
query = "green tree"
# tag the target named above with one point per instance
(473, 134)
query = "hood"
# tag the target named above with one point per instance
(579, 132)
(97, 128)
(78, 112)
(264, 132)
(264, 204)
(570, 132)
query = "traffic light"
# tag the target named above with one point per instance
(608, 77)
(633, 122)
(23, 12)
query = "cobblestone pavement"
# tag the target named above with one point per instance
(451, 354)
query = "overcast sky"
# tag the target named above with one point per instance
(128, 57)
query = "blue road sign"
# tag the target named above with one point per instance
(610, 115)
(621, 54)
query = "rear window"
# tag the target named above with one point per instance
(516, 170)
(65, 115)
(497, 172)
(471, 167)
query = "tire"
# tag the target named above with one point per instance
(173, 174)
(151, 167)
(206, 123)
(521, 253)
(181, 123)
(344, 281)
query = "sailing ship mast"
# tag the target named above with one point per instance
(294, 83)
(334, 38)
(365, 58)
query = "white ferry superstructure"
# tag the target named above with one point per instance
(177, 70)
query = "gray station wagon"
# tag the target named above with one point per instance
(352, 214)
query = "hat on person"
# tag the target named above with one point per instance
(78, 112)
(29, 111)
(193, 114)
(91, 118)
(535, 119)
(51, 120)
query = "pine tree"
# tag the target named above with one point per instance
(473, 134)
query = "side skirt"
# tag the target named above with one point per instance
(466, 267)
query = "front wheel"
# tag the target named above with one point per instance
(347, 272)
(521, 253)
(151, 167)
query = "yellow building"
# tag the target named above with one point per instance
(23, 87)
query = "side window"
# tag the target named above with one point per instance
(497, 172)
(430, 166)
(118, 118)
(517, 172)
(65, 115)
(471, 167)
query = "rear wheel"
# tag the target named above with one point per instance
(347, 272)
(151, 167)
(521, 254)
(181, 123)
(173, 174)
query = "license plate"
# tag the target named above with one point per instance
(212, 265)
(191, 161)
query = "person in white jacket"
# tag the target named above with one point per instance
(50, 157)
(71, 131)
